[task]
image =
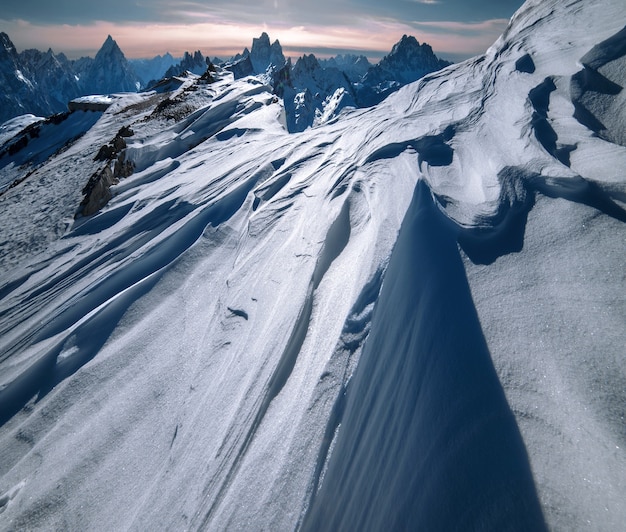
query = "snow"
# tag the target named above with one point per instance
(407, 316)
(95, 99)
(49, 137)
(12, 127)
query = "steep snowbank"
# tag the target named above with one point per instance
(407, 317)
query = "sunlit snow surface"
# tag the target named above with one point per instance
(412, 316)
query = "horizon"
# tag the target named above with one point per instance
(222, 29)
(290, 52)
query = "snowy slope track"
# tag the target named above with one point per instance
(408, 317)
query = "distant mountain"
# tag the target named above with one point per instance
(262, 57)
(109, 72)
(42, 83)
(151, 69)
(53, 76)
(315, 94)
(196, 63)
(353, 66)
(19, 94)
(263, 54)
(314, 91)
(407, 62)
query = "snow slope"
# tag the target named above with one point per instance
(408, 317)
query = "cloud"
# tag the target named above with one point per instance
(485, 26)
(220, 27)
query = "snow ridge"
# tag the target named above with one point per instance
(407, 316)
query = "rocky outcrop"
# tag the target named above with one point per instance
(97, 192)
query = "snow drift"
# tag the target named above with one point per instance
(407, 317)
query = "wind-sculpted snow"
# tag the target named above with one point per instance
(407, 317)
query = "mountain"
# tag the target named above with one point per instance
(408, 61)
(19, 94)
(353, 66)
(195, 63)
(314, 94)
(43, 83)
(148, 70)
(315, 91)
(109, 72)
(263, 54)
(262, 58)
(410, 317)
(54, 78)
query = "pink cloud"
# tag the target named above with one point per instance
(225, 39)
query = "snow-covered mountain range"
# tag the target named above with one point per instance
(410, 316)
(316, 91)
(43, 84)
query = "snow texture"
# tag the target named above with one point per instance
(409, 316)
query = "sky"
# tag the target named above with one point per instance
(456, 29)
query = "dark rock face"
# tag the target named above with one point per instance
(407, 62)
(110, 72)
(263, 54)
(242, 68)
(97, 191)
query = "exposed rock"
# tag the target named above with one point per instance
(123, 168)
(118, 143)
(407, 62)
(264, 55)
(241, 68)
(98, 191)
(125, 131)
(105, 153)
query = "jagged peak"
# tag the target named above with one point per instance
(408, 42)
(307, 62)
(109, 47)
(7, 44)
(264, 38)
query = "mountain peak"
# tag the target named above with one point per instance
(264, 55)
(110, 71)
(7, 44)
(306, 63)
(110, 47)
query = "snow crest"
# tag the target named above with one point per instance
(408, 316)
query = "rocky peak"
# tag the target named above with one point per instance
(7, 48)
(195, 63)
(110, 71)
(411, 56)
(109, 50)
(306, 63)
(263, 54)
